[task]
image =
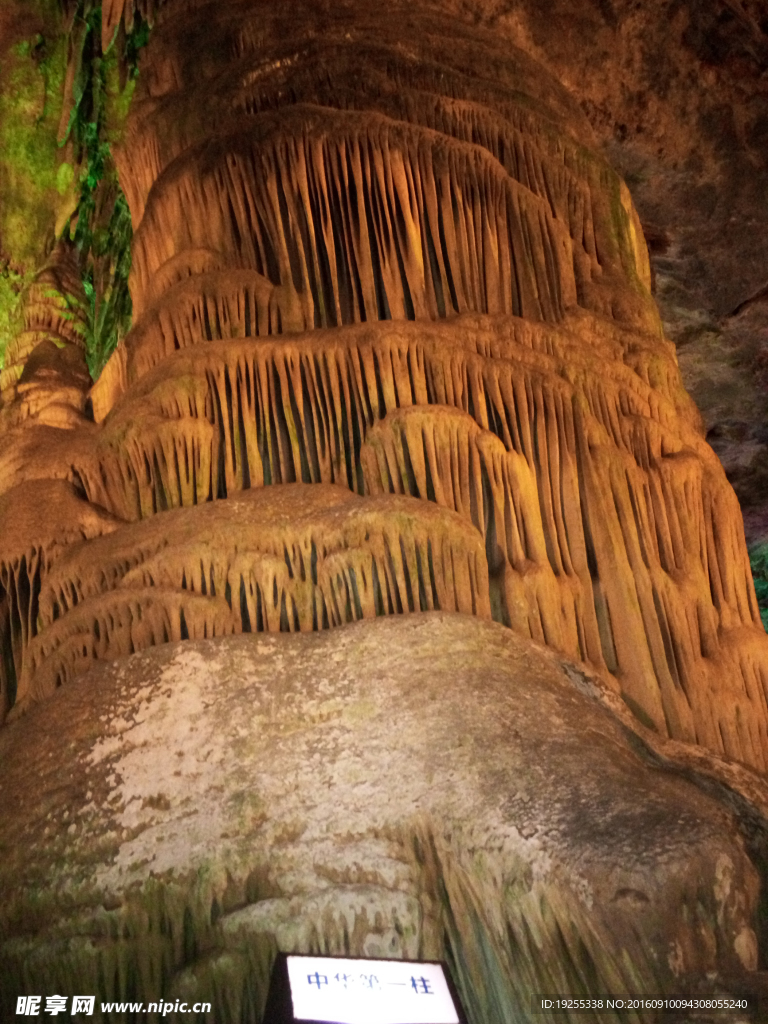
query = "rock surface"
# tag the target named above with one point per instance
(395, 351)
(411, 278)
(675, 91)
(36, 173)
(422, 786)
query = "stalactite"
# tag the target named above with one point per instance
(120, 13)
(640, 611)
(440, 98)
(45, 377)
(249, 412)
(305, 558)
(439, 454)
(355, 217)
(34, 537)
(394, 349)
(574, 483)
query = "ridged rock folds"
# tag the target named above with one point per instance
(393, 350)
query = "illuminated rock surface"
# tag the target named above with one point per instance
(277, 265)
(412, 786)
(394, 351)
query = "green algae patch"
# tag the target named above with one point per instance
(758, 560)
(32, 71)
(12, 283)
(31, 98)
(63, 106)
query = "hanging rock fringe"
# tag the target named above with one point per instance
(306, 558)
(394, 349)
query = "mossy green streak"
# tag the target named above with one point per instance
(758, 560)
(55, 181)
(31, 94)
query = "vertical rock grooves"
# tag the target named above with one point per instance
(306, 558)
(357, 218)
(45, 377)
(33, 539)
(394, 350)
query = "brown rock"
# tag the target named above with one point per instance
(394, 355)
(274, 559)
(415, 786)
(424, 261)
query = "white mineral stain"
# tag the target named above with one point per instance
(190, 767)
(745, 947)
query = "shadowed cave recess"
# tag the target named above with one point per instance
(394, 353)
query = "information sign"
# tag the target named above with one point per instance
(337, 990)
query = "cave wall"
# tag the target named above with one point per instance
(675, 93)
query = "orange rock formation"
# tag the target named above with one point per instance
(394, 350)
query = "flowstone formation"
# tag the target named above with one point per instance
(409, 786)
(394, 352)
(387, 271)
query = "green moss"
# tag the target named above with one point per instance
(102, 230)
(758, 560)
(65, 177)
(32, 74)
(48, 189)
(30, 104)
(12, 283)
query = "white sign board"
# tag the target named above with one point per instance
(369, 991)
